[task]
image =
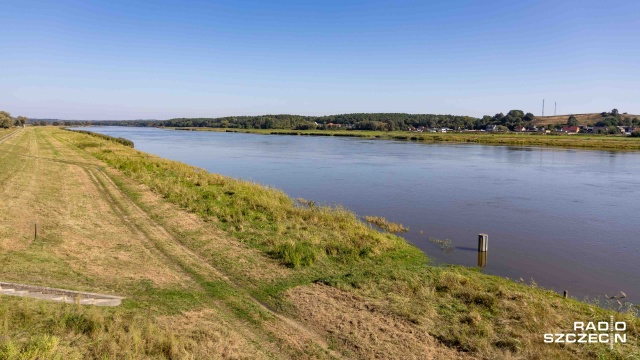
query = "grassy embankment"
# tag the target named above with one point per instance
(214, 266)
(597, 142)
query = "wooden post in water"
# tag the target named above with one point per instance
(483, 242)
(566, 294)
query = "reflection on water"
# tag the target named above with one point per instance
(565, 218)
(482, 259)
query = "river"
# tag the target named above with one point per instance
(568, 219)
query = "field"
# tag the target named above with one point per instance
(596, 142)
(213, 267)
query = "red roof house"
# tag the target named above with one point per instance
(571, 129)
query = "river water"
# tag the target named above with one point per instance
(568, 219)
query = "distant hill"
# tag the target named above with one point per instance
(583, 119)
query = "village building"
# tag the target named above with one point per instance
(570, 129)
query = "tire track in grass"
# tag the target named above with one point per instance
(6, 160)
(137, 226)
(148, 245)
(9, 135)
(199, 269)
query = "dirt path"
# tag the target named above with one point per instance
(190, 262)
(147, 249)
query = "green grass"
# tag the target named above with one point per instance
(596, 142)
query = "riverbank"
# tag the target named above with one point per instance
(596, 142)
(214, 265)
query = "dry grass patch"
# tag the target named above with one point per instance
(485, 316)
(364, 328)
(209, 337)
(76, 225)
(18, 191)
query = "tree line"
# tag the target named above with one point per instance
(512, 120)
(357, 121)
(7, 121)
(613, 118)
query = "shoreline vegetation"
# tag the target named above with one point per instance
(595, 142)
(385, 224)
(214, 266)
(610, 130)
(119, 140)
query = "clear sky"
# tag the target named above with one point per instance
(141, 59)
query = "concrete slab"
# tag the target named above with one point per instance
(60, 295)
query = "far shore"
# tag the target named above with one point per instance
(579, 141)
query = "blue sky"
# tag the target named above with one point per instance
(163, 59)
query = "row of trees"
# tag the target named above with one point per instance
(513, 119)
(6, 121)
(62, 123)
(613, 118)
(359, 121)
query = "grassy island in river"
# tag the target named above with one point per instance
(214, 267)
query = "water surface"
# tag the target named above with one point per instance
(568, 219)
